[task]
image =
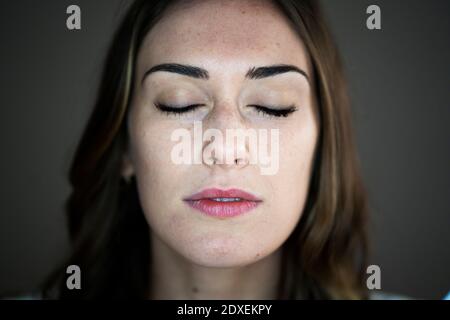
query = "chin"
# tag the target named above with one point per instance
(217, 252)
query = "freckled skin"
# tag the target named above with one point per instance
(226, 38)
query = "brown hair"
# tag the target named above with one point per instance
(325, 256)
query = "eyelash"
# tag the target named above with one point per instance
(265, 111)
(271, 112)
(176, 110)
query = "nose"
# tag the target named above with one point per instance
(225, 144)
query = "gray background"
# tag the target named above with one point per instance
(399, 81)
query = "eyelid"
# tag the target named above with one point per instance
(174, 109)
(275, 111)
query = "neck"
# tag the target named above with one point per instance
(174, 277)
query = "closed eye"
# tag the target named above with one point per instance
(176, 110)
(276, 112)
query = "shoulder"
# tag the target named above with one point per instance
(380, 295)
(24, 296)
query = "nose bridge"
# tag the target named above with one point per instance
(225, 119)
(225, 115)
(226, 87)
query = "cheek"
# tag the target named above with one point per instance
(149, 160)
(150, 153)
(290, 185)
(158, 181)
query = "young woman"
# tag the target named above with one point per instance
(144, 226)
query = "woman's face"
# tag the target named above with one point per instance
(226, 39)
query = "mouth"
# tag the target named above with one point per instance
(223, 203)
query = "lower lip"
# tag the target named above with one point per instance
(223, 209)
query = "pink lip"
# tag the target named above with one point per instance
(203, 201)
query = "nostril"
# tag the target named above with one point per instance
(239, 161)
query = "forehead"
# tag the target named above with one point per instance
(223, 35)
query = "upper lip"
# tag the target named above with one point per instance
(211, 193)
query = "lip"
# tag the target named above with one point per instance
(239, 202)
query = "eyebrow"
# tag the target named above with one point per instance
(253, 73)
